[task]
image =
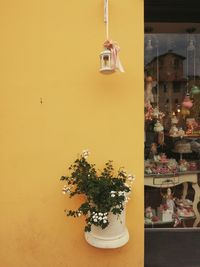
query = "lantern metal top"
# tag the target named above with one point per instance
(105, 52)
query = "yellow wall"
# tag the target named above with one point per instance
(49, 49)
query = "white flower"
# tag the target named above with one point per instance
(113, 192)
(105, 218)
(66, 189)
(124, 173)
(95, 220)
(121, 193)
(131, 177)
(79, 214)
(94, 216)
(85, 153)
(100, 214)
(104, 221)
(112, 195)
(127, 185)
(127, 199)
(105, 214)
(100, 218)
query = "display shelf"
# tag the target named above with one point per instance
(181, 153)
(184, 178)
(148, 222)
(171, 174)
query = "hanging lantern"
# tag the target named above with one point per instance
(106, 62)
(195, 90)
(187, 102)
(109, 58)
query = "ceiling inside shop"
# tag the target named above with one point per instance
(155, 27)
(172, 11)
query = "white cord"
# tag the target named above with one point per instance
(106, 16)
(157, 100)
(194, 65)
(187, 54)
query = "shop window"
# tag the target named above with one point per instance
(172, 128)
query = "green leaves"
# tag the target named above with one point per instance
(104, 192)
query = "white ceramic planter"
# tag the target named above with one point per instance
(115, 235)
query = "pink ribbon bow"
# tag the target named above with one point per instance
(114, 48)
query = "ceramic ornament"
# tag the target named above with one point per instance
(158, 127)
(161, 138)
(187, 102)
(109, 57)
(148, 95)
(148, 112)
(195, 90)
(173, 130)
(174, 119)
(185, 112)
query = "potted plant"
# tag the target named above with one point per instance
(106, 193)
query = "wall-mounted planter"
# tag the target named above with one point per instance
(115, 235)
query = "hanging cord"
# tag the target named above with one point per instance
(187, 54)
(194, 65)
(157, 66)
(106, 17)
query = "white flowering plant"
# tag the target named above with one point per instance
(104, 190)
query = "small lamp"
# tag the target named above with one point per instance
(106, 62)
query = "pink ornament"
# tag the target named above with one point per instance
(187, 103)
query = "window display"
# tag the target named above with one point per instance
(172, 129)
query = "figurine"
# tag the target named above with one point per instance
(148, 213)
(158, 127)
(153, 150)
(173, 131)
(168, 199)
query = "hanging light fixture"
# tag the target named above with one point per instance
(148, 31)
(149, 46)
(109, 57)
(195, 90)
(187, 102)
(191, 46)
(157, 113)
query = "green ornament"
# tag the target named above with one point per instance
(195, 90)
